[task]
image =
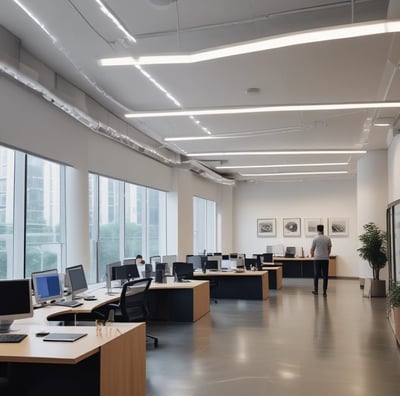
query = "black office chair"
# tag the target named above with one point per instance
(132, 305)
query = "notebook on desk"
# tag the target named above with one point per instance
(64, 337)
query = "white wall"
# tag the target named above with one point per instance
(317, 199)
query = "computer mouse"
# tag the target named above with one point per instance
(90, 298)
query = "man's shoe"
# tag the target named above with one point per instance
(315, 293)
(325, 295)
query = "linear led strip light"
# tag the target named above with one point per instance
(292, 174)
(281, 165)
(264, 44)
(265, 109)
(283, 152)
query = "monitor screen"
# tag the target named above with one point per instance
(49, 271)
(183, 270)
(212, 265)
(154, 260)
(76, 280)
(16, 301)
(47, 287)
(195, 261)
(125, 272)
(215, 258)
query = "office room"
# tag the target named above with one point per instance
(63, 113)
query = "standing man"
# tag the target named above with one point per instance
(321, 249)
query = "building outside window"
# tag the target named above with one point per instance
(204, 225)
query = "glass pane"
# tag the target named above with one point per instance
(211, 226)
(199, 225)
(109, 223)
(134, 218)
(43, 244)
(6, 212)
(204, 226)
(93, 229)
(156, 201)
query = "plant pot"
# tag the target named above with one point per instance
(378, 288)
(396, 317)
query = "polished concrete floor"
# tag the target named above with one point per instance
(294, 343)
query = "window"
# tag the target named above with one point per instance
(204, 225)
(125, 220)
(43, 215)
(32, 218)
(6, 212)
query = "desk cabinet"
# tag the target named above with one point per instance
(302, 267)
(249, 285)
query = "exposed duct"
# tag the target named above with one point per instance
(106, 130)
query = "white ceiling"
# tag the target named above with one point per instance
(75, 34)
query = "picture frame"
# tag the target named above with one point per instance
(266, 227)
(310, 226)
(291, 227)
(338, 226)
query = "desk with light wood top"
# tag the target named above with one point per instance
(110, 363)
(171, 301)
(250, 285)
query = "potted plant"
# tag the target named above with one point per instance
(394, 305)
(373, 250)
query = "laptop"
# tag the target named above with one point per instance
(64, 337)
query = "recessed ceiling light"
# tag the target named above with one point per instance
(264, 44)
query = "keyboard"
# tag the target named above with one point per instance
(68, 303)
(8, 337)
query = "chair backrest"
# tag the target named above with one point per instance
(133, 301)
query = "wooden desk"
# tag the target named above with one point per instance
(172, 301)
(251, 285)
(179, 301)
(110, 363)
(274, 276)
(302, 267)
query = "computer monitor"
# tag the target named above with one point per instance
(290, 251)
(268, 257)
(212, 265)
(125, 272)
(182, 271)
(250, 263)
(215, 258)
(198, 261)
(75, 280)
(49, 271)
(109, 269)
(154, 260)
(16, 302)
(47, 287)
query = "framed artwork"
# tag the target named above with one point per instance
(291, 227)
(266, 227)
(310, 226)
(338, 226)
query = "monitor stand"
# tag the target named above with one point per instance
(5, 325)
